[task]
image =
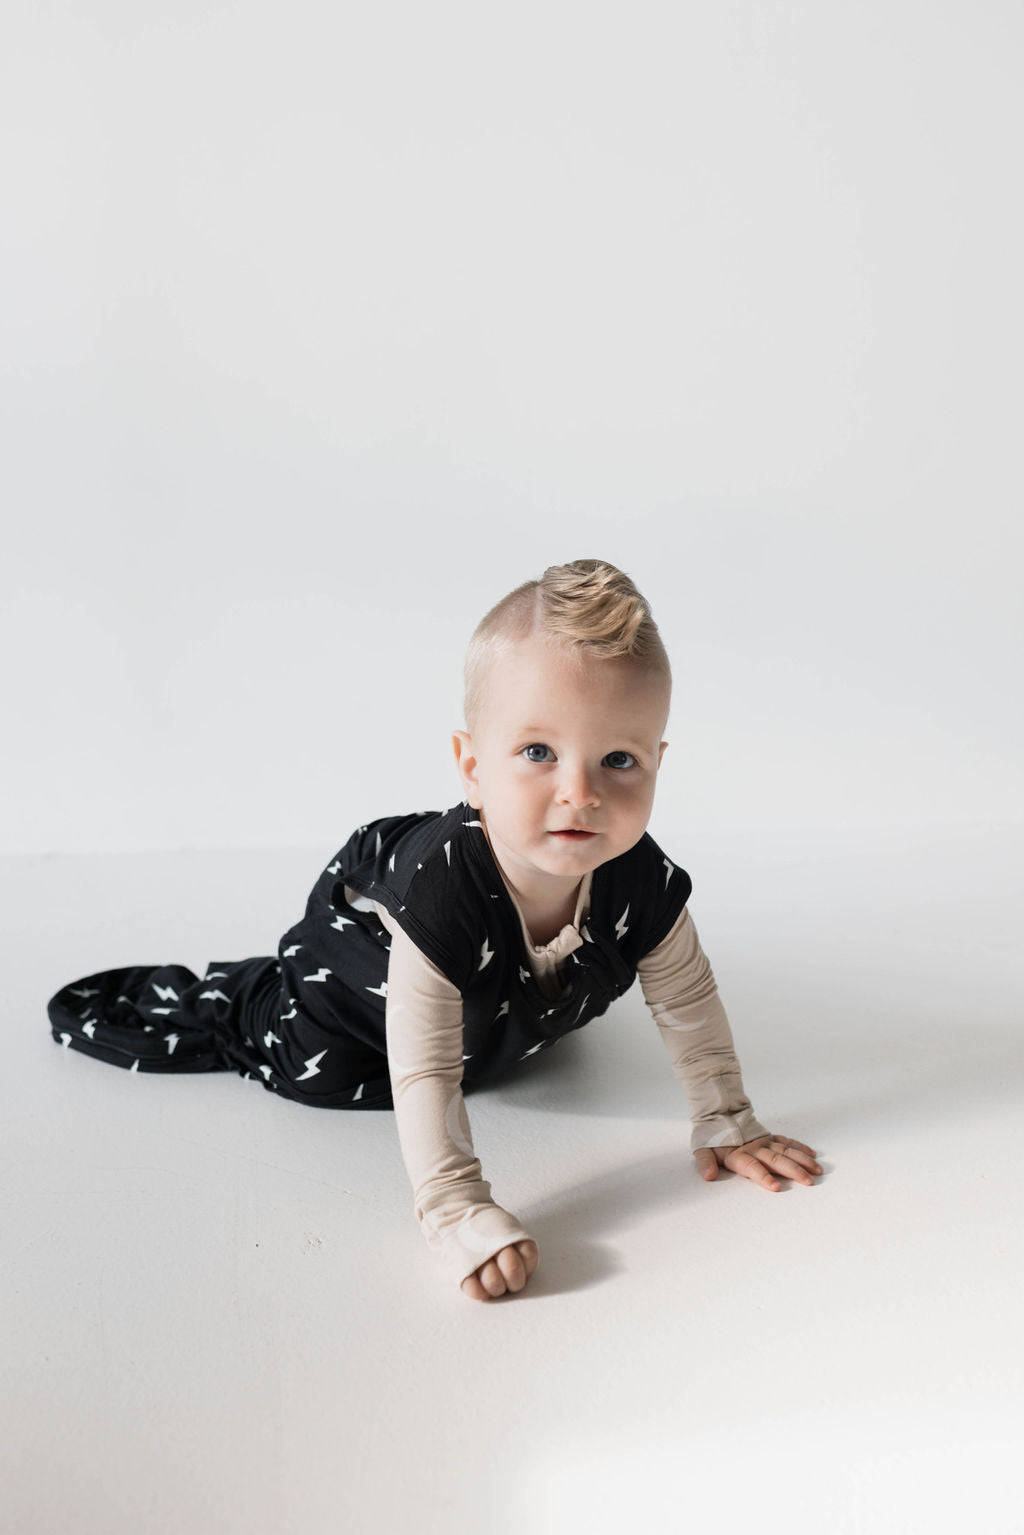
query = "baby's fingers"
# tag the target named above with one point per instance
(516, 1264)
(513, 1270)
(507, 1271)
(487, 1283)
(747, 1165)
(787, 1162)
(530, 1254)
(472, 1287)
(786, 1167)
(792, 1146)
(791, 1159)
(805, 1159)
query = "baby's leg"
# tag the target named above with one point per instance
(308, 1049)
(134, 1018)
(298, 1036)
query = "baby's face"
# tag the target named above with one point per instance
(563, 762)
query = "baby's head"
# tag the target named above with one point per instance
(567, 695)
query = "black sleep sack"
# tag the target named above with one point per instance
(310, 1024)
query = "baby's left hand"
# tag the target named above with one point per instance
(757, 1160)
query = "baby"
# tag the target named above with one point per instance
(441, 948)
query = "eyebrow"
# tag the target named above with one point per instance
(543, 730)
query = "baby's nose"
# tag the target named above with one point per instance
(578, 788)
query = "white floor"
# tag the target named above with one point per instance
(218, 1313)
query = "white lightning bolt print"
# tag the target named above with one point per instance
(165, 993)
(670, 869)
(378, 991)
(134, 1066)
(377, 849)
(170, 1009)
(215, 975)
(312, 1067)
(270, 1038)
(171, 1041)
(533, 1051)
(204, 996)
(332, 868)
(502, 1010)
(291, 952)
(524, 975)
(358, 1092)
(341, 923)
(391, 864)
(266, 1072)
(85, 991)
(486, 955)
(620, 926)
(474, 823)
(285, 1016)
(321, 976)
(65, 1040)
(89, 1028)
(448, 853)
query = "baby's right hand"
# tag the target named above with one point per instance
(507, 1270)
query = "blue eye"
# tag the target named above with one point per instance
(630, 762)
(536, 746)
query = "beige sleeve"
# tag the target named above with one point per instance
(452, 1201)
(682, 994)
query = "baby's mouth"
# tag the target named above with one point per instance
(575, 836)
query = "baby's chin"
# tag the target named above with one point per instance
(562, 853)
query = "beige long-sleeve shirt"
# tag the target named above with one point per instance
(462, 1224)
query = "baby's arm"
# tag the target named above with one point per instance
(483, 1247)
(680, 989)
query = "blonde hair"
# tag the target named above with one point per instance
(589, 606)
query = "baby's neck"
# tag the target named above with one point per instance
(546, 908)
(547, 901)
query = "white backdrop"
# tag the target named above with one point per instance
(326, 324)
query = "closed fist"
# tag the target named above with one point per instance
(506, 1272)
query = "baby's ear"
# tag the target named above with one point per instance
(465, 761)
(661, 751)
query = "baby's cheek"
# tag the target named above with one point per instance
(637, 798)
